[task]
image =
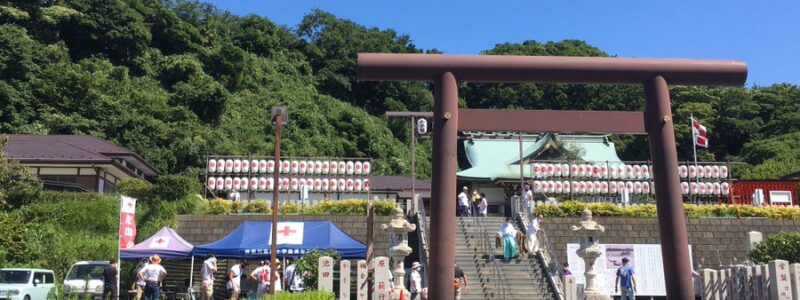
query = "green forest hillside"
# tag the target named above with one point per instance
(176, 80)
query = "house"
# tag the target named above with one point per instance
(494, 160)
(77, 162)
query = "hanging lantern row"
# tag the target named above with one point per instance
(617, 187)
(244, 166)
(284, 184)
(602, 171)
(692, 171)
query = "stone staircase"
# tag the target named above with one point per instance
(522, 277)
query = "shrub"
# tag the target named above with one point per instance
(218, 207)
(308, 265)
(55, 197)
(310, 295)
(175, 187)
(135, 187)
(189, 205)
(327, 207)
(784, 245)
(574, 209)
(14, 238)
(258, 207)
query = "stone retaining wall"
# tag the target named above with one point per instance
(713, 240)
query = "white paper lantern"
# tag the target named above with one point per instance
(717, 188)
(286, 184)
(262, 184)
(646, 172)
(333, 185)
(646, 187)
(365, 185)
(302, 167)
(350, 168)
(229, 181)
(585, 171)
(723, 172)
(708, 171)
(357, 184)
(693, 189)
(212, 182)
(253, 183)
(254, 166)
(685, 188)
(295, 167)
(557, 187)
(565, 187)
(318, 184)
(325, 184)
(589, 187)
(349, 184)
(237, 166)
(245, 166)
(692, 172)
(575, 187)
(637, 187)
(709, 188)
(310, 184)
(341, 184)
(596, 171)
(724, 188)
(714, 171)
(334, 169)
(701, 188)
(604, 187)
(212, 165)
(286, 166)
(598, 187)
(574, 170)
(342, 166)
(537, 170)
(237, 183)
(701, 172)
(324, 167)
(557, 170)
(244, 183)
(220, 183)
(366, 169)
(301, 183)
(637, 171)
(357, 168)
(603, 171)
(612, 172)
(265, 166)
(629, 173)
(295, 185)
(537, 186)
(683, 171)
(612, 187)
(228, 165)
(629, 186)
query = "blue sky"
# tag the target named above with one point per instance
(765, 34)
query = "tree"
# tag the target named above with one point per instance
(784, 245)
(17, 185)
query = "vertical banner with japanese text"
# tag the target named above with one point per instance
(127, 222)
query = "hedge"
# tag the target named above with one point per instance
(327, 207)
(310, 295)
(574, 209)
(784, 245)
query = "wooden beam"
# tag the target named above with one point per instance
(556, 121)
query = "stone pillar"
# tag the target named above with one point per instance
(765, 281)
(709, 277)
(794, 273)
(382, 289)
(362, 290)
(723, 285)
(344, 279)
(780, 287)
(325, 276)
(398, 229)
(589, 251)
(753, 238)
(570, 288)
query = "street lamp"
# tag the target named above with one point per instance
(421, 127)
(280, 117)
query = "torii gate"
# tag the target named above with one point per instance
(655, 121)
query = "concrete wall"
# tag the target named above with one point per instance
(202, 229)
(713, 240)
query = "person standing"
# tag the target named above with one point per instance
(139, 284)
(110, 277)
(483, 206)
(234, 195)
(207, 277)
(508, 234)
(528, 196)
(460, 282)
(532, 234)
(463, 202)
(235, 281)
(153, 274)
(565, 270)
(625, 283)
(414, 281)
(262, 276)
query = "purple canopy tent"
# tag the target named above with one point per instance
(166, 243)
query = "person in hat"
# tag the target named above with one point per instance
(463, 202)
(152, 274)
(414, 281)
(625, 283)
(207, 277)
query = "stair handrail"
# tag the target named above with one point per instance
(489, 248)
(422, 230)
(549, 256)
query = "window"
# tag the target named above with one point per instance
(48, 278)
(39, 276)
(14, 276)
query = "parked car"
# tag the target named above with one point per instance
(26, 284)
(85, 278)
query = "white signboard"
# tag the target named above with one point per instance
(325, 276)
(781, 286)
(645, 259)
(361, 282)
(344, 279)
(383, 284)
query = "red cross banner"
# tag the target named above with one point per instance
(699, 134)
(289, 233)
(127, 222)
(160, 242)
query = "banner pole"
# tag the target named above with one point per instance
(694, 148)
(119, 251)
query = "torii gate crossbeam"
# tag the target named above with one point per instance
(654, 74)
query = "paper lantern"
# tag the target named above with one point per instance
(341, 184)
(266, 166)
(212, 182)
(237, 166)
(629, 186)
(645, 171)
(357, 185)
(537, 170)
(244, 183)
(685, 188)
(350, 168)
(708, 171)
(537, 186)
(334, 169)
(357, 168)
(325, 182)
(317, 167)
(212, 166)
(317, 184)
(285, 184)
(714, 171)
(228, 165)
(596, 171)
(254, 166)
(589, 187)
(349, 184)
(324, 167)
(724, 188)
(701, 172)
(237, 183)
(565, 187)
(253, 183)
(365, 185)
(646, 187)
(295, 167)
(310, 167)
(637, 187)
(597, 187)
(584, 170)
(557, 170)
(367, 168)
(683, 171)
(612, 172)
(342, 166)
(604, 187)
(629, 172)
(701, 188)
(557, 187)
(302, 167)
(295, 184)
(692, 172)
(266, 184)
(612, 187)
(575, 187)
(220, 166)
(245, 166)
(286, 166)
(574, 170)
(229, 181)
(603, 171)
(220, 183)
(637, 171)
(693, 189)
(723, 172)
(709, 188)
(716, 188)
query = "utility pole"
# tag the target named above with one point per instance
(413, 115)
(280, 117)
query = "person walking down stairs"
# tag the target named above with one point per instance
(509, 234)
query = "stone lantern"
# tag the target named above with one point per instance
(589, 251)
(398, 229)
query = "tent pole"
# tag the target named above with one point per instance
(191, 275)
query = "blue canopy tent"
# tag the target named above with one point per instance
(251, 240)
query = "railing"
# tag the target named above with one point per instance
(422, 230)
(547, 250)
(489, 248)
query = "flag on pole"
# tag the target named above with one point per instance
(127, 222)
(699, 134)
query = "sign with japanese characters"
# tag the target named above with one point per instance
(362, 290)
(383, 281)
(780, 287)
(127, 222)
(344, 279)
(325, 276)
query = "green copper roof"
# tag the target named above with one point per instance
(497, 158)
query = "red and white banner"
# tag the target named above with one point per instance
(127, 222)
(699, 134)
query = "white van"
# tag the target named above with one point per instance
(26, 284)
(75, 283)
